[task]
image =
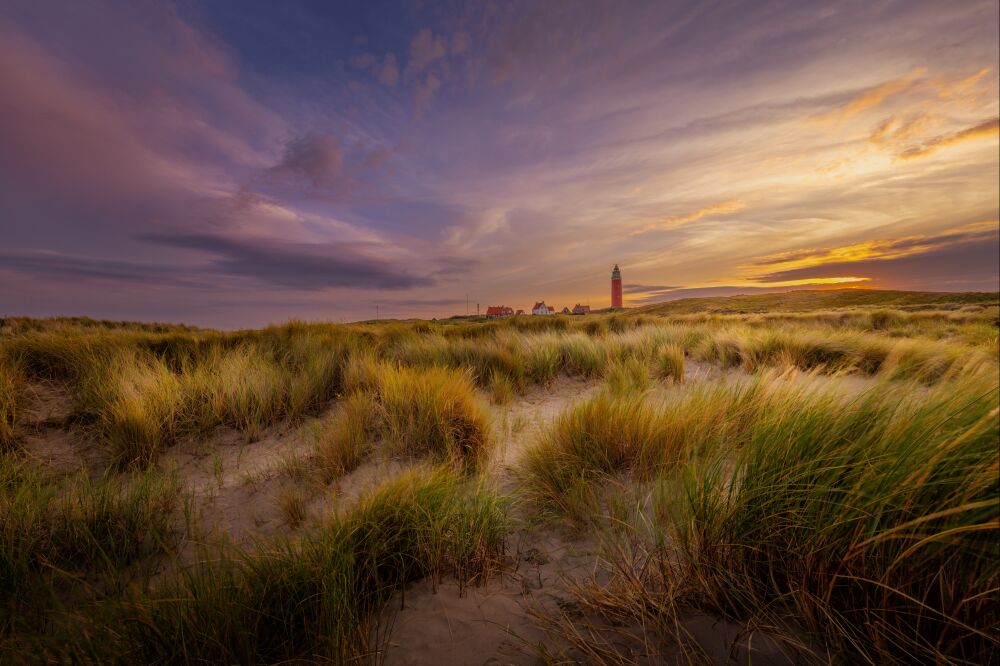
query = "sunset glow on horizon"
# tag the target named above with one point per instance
(232, 164)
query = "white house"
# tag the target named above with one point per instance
(541, 308)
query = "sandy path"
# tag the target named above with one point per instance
(443, 625)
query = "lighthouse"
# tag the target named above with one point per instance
(616, 287)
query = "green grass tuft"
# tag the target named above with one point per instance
(12, 397)
(317, 599)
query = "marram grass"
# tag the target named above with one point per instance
(141, 387)
(432, 412)
(61, 535)
(319, 599)
(876, 523)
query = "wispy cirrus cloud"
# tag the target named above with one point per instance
(872, 97)
(984, 130)
(721, 209)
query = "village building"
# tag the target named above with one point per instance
(498, 311)
(581, 309)
(540, 308)
(565, 310)
(519, 312)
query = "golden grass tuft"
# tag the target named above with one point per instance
(670, 363)
(501, 389)
(341, 443)
(434, 411)
(628, 376)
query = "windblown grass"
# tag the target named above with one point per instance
(53, 531)
(141, 391)
(144, 386)
(627, 376)
(588, 442)
(134, 400)
(625, 432)
(864, 521)
(867, 523)
(318, 599)
(876, 522)
(434, 412)
(240, 388)
(501, 389)
(670, 363)
(341, 443)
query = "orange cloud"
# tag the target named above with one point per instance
(721, 208)
(963, 86)
(785, 262)
(872, 97)
(817, 281)
(898, 128)
(985, 129)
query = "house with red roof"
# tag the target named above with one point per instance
(581, 309)
(498, 311)
(540, 308)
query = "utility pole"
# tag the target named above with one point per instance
(376, 312)
(477, 309)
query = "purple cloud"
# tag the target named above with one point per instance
(298, 266)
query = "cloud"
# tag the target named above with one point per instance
(327, 167)
(985, 129)
(424, 92)
(478, 229)
(963, 86)
(388, 73)
(363, 60)
(424, 50)
(318, 158)
(646, 288)
(580, 126)
(971, 254)
(713, 210)
(725, 290)
(385, 71)
(84, 163)
(450, 266)
(421, 302)
(49, 264)
(797, 260)
(872, 97)
(896, 129)
(459, 43)
(301, 266)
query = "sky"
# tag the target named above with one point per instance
(233, 163)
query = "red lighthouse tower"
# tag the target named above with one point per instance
(616, 287)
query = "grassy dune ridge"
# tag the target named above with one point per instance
(315, 599)
(867, 520)
(827, 473)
